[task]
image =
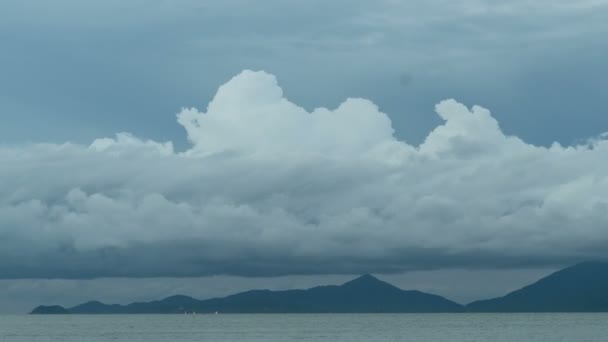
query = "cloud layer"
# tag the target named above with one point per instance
(268, 188)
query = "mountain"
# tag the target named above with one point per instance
(580, 288)
(50, 310)
(365, 294)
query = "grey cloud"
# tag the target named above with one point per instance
(269, 188)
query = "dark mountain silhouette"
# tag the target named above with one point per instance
(365, 294)
(50, 310)
(580, 288)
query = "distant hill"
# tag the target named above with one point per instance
(50, 310)
(580, 288)
(365, 294)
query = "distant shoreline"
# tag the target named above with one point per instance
(582, 288)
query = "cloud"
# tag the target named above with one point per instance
(252, 111)
(77, 71)
(269, 188)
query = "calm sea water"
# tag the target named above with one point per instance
(335, 328)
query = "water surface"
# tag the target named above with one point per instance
(299, 327)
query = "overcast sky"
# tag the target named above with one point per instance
(431, 142)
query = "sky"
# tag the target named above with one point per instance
(149, 148)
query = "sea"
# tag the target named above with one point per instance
(566, 327)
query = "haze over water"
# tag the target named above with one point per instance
(301, 327)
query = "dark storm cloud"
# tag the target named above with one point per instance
(185, 260)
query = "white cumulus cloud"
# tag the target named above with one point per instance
(249, 114)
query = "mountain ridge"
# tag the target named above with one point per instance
(579, 288)
(365, 294)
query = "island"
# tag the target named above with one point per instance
(579, 288)
(365, 294)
